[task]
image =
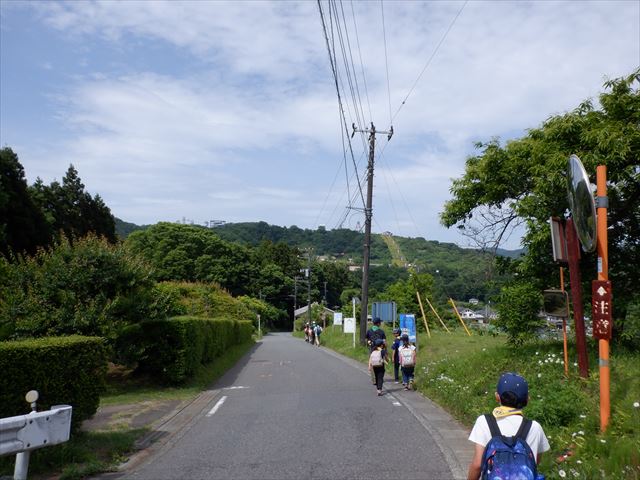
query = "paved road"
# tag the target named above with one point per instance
(293, 411)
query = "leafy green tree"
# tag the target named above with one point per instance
(191, 253)
(523, 183)
(87, 288)
(73, 211)
(23, 227)
(518, 308)
(403, 292)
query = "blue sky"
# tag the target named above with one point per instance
(216, 110)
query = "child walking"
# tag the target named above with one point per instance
(512, 393)
(377, 361)
(407, 357)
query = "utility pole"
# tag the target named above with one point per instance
(308, 275)
(295, 293)
(324, 298)
(368, 212)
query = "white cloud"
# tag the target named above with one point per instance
(247, 127)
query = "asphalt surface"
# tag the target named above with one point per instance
(289, 410)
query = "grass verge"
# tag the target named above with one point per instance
(460, 373)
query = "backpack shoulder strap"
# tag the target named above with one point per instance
(523, 431)
(493, 425)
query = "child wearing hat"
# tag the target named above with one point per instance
(512, 393)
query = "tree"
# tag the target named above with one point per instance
(523, 183)
(89, 288)
(518, 308)
(73, 211)
(23, 227)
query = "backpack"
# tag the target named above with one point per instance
(376, 358)
(508, 458)
(407, 357)
(318, 330)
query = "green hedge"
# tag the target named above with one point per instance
(171, 350)
(64, 370)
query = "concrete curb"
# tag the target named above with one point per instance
(450, 436)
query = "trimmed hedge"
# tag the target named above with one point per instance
(64, 370)
(171, 350)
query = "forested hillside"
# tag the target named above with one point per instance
(460, 273)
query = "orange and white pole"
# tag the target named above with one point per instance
(603, 274)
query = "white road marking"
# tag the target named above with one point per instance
(216, 406)
(234, 388)
(397, 404)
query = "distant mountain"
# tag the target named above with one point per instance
(124, 229)
(501, 252)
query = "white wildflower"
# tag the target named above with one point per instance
(636, 404)
(539, 375)
(580, 432)
(575, 364)
(583, 416)
(537, 353)
(562, 473)
(602, 440)
(574, 473)
(579, 462)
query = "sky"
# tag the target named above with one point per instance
(205, 110)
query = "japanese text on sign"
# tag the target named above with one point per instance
(601, 309)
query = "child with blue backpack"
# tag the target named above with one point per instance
(507, 445)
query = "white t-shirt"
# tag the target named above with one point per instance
(509, 426)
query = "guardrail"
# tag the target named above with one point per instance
(21, 434)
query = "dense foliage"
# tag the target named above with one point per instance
(171, 350)
(35, 216)
(64, 370)
(23, 227)
(523, 182)
(518, 308)
(88, 288)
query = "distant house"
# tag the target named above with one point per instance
(468, 314)
(355, 268)
(300, 312)
(474, 301)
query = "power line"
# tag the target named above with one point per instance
(431, 58)
(386, 61)
(335, 76)
(364, 78)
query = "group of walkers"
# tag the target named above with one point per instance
(403, 356)
(507, 445)
(312, 333)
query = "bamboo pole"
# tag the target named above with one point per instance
(424, 317)
(455, 309)
(436, 314)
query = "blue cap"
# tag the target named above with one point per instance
(376, 320)
(378, 342)
(512, 382)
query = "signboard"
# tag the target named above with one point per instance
(349, 325)
(601, 309)
(337, 318)
(385, 311)
(408, 326)
(558, 241)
